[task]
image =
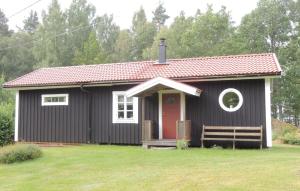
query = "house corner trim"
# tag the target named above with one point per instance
(16, 138)
(268, 112)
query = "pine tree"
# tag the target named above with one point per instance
(31, 23)
(159, 16)
(4, 31)
(143, 33)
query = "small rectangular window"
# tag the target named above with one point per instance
(55, 99)
(125, 109)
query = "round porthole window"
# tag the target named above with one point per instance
(231, 100)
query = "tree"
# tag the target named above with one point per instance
(143, 33)
(107, 34)
(123, 47)
(31, 23)
(159, 16)
(92, 53)
(267, 27)
(4, 31)
(80, 17)
(52, 49)
(18, 58)
(209, 33)
(174, 36)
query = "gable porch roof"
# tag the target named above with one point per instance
(160, 83)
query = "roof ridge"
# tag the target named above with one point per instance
(223, 56)
(101, 64)
(154, 61)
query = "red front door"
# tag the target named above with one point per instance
(170, 114)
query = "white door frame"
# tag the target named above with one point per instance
(182, 108)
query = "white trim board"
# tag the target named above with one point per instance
(165, 82)
(268, 112)
(182, 108)
(17, 102)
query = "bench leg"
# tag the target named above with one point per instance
(260, 145)
(202, 146)
(233, 145)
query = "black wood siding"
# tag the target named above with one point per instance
(53, 123)
(88, 117)
(73, 123)
(205, 110)
(103, 130)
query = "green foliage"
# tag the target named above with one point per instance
(285, 132)
(208, 33)
(19, 153)
(6, 113)
(51, 50)
(291, 138)
(79, 17)
(6, 128)
(107, 35)
(4, 31)
(92, 53)
(123, 47)
(19, 60)
(182, 144)
(159, 16)
(31, 23)
(143, 33)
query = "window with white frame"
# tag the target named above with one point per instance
(125, 109)
(231, 100)
(55, 99)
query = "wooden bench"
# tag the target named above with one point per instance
(234, 134)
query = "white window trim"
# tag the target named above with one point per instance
(239, 105)
(55, 103)
(115, 119)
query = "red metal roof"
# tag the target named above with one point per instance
(265, 64)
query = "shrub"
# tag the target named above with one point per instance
(182, 144)
(291, 138)
(19, 153)
(287, 133)
(6, 129)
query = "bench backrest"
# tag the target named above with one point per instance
(232, 131)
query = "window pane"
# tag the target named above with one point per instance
(170, 100)
(120, 106)
(129, 99)
(120, 98)
(129, 106)
(230, 99)
(129, 115)
(61, 99)
(120, 115)
(47, 99)
(54, 99)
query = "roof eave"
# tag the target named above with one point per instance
(126, 82)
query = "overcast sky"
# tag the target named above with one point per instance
(123, 9)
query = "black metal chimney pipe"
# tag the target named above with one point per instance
(162, 51)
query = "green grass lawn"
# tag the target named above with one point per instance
(92, 167)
